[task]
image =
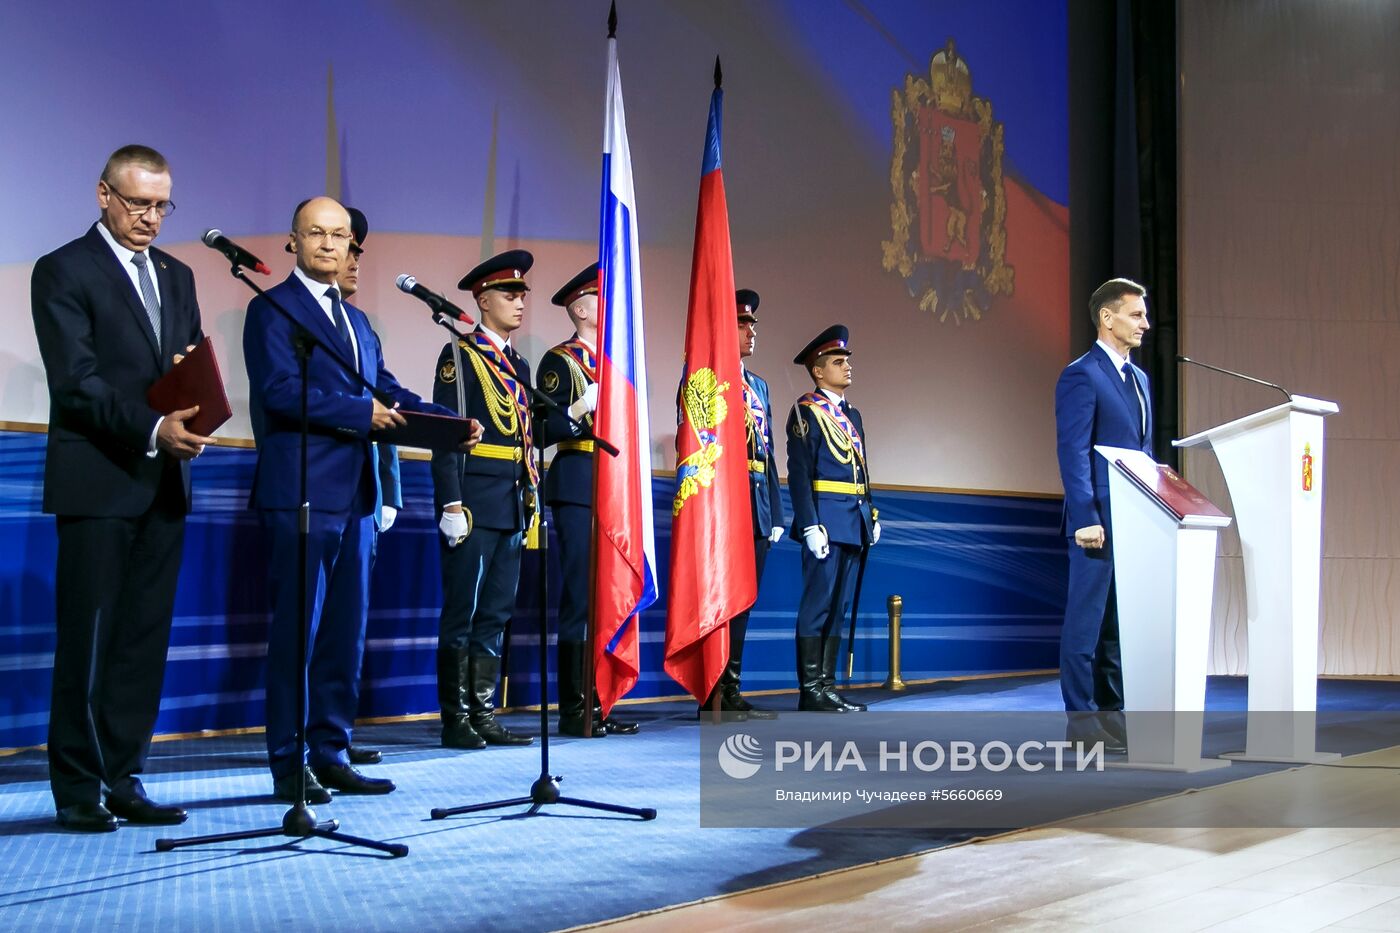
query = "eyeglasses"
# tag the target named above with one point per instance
(138, 207)
(338, 238)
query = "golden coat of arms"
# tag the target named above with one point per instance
(705, 409)
(949, 209)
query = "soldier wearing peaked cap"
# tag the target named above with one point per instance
(389, 491)
(832, 512)
(766, 500)
(568, 374)
(486, 501)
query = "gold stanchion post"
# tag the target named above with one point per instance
(895, 607)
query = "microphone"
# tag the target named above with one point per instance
(1230, 372)
(409, 285)
(215, 239)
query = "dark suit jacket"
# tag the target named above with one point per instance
(848, 518)
(765, 491)
(100, 356)
(1094, 405)
(340, 469)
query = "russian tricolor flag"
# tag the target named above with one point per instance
(624, 543)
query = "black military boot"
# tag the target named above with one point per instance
(571, 719)
(811, 695)
(457, 731)
(481, 697)
(831, 653)
(729, 679)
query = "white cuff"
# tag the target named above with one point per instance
(151, 449)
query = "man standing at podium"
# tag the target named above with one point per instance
(1101, 398)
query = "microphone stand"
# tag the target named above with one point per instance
(545, 790)
(300, 821)
(1230, 372)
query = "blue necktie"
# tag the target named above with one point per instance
(1137, 394)
(342, 326)
(148, 293)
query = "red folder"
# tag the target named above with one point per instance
(195, 380)
(1167, 488)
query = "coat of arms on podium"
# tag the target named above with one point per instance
(949, 209)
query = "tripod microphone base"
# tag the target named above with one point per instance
(300, 820)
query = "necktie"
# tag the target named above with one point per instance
(342, 326)
(1137, 394)
(148, 293)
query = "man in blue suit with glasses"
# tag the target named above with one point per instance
(341, 487)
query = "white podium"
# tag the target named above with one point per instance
(1164, 536)
(1272, 461)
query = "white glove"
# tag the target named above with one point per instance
(453, 526)
(817, 543)
(775, 535)
(875, 534)
(586, 403)
(387, 514)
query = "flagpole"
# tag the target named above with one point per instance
(545, 790)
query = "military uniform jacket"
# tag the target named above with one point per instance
(764, 490)
(565, 372)
(827, 473)
(494, 481)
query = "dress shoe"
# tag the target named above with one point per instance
(460, 734)
(364, 756)
(285, 789)
(349, 781)
(493, 733)
(1112, 745)
(620, 727)
(135, 807)
(733, 699)
(87, 818)
(573, 725)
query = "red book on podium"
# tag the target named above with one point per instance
(1169, 490)
(195, 380)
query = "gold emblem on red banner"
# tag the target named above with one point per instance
(705, 410)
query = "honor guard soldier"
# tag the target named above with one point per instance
(389, 492)
(486, 502)
(569, 376)
(765, 495)
(832, 511)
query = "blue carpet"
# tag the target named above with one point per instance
(494, 872)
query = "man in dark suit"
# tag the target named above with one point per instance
(765, 495)
(340, 486)
(486, 500)
(569, 375)
(831, 509)
(112, 313)
(1101, 398)
(389, 491)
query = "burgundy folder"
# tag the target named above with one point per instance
(1167, 488)
(427, 431)
(195, 380)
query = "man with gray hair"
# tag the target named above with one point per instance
(112, 315)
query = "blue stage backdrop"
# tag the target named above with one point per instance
(982, 579)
